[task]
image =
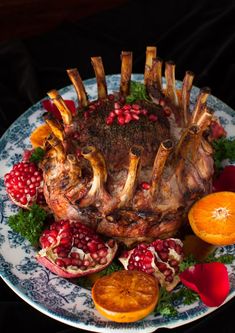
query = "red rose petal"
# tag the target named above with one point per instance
(50, 107)
(226, 180)
(209, 280)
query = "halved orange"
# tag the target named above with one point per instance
(39, 135)
(125, 296)
(212, 218)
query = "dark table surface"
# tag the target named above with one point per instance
(199, 36)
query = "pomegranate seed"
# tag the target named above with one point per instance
(116, 105)
(60, 262)
(135, 116)
(112, 114)
(145, 185)
(111, 97)
(121, 120)
(103, 261)
(128, 118)
(76, 262)
(135, 106)
(118, 112)
(144, 112)
(153, 117)
(163, 255)
(109, 120)
(162, 102)
(167, 111)
(127, 107)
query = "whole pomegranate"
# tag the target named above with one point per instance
(24, 184)
(160, 258)
(71, 249)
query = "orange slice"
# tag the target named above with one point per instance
(39, 135)
(125, 296)
(212, 218)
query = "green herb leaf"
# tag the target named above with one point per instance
(37, 155)
(223, 149)
(29, 224)
(187, 262)
(165, 306)
(137, 92)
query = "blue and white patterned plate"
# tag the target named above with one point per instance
(57, 297)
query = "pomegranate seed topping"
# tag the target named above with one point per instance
(162, 102)
(111, 97)
(153, 117)
(135, 106)
(167, 111)
(118, 112)
(145, 186)
(109, 120)
(135, 116)
(117, 105)
(128, 118)
(112, 114)
(121, 120)
(127, 107)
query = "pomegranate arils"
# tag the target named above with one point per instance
(145, 185)
(23, 183)
(76, 248)
(127, 113)
(159, 258)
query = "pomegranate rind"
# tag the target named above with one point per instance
(154, 260)
(51, 265)
(70, 249)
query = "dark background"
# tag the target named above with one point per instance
(39, 40)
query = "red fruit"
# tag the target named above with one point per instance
(153, 117)
(70, 249)
(109, 120)
(145, 186)
(160, 258)
(24, 184)
(121, 120)
(217, 130)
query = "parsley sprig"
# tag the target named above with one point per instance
(137, 92)
(224, 148)
(29, 224)
(37, 155)
(182, 295)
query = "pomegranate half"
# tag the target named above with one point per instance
(71, 249)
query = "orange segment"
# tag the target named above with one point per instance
(212, 218)
(39, 135)
(125, 296)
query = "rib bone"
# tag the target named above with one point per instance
(151, 52)
(185, 95)
(78, 85)
(56, 129)
(99, 175)
(134, 166)
(170, 82)
(100, 77)
(126, 70)
(61, 106)
(159, 163)
(156, 73)
(200, 103)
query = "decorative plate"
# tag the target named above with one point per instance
(56, 297)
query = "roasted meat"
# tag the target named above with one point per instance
(129, 170)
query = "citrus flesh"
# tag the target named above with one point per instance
(212, 218)
(39, 135)
(125, 296)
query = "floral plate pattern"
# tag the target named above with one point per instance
(56, 297)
